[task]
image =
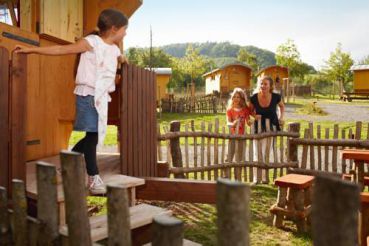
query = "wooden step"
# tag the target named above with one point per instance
(185, 243)
(141, 215)
(296, 181)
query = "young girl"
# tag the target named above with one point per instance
(237, 116)
(94, 80)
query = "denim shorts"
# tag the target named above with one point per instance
(86, 114)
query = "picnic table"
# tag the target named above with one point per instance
(359, 157)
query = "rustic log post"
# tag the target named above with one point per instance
(335, 212)
(20, 230)
(118, 216)
(233, 212)
(4, 218)
(175, 148)
(73, 174)
(47, 203)
(167, 231)
(163, 169)
(281, 203)
(292, 148)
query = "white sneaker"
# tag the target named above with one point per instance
(96, 185)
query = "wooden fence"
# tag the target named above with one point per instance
(199, 104)
(211, 152)
(138, 122)
(336, 201)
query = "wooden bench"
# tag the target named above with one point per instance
(293, 201)
(141, 215)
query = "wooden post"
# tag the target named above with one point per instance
(175, 148)
(167, 231)
(281, 203)
(163, 169)
(4, 218)
(292, 148)
(73, 174)
(20, 232)
(118, 216)
(47, 203)
(335, 212)
(233, 200)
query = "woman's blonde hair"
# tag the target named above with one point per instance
(242, 94)
(271, 84)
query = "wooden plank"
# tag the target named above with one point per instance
(350, 137)
(319, 136)
(312, 157)
(344, 167)
(135, 130)
(282, 150)
(251, 154)
(140, 215)
(267, 151)
(202, 163)
(142, 169)
(4, 119)
(260, 154)
(326, 152)
(20, 228)
(208, 150)
(177, 190)
(304, 151)
(124, 121)
(130, 132)
(358, 128)
(334, 151)
(275, 153)
(216, 148)
(18, 116)
(153, 158)
(186, 148)
(195, 154)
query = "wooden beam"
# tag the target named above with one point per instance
(177, 190)
(12, 13)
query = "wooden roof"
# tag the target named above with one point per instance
(359, 67)
(228, 65)
(265, 68)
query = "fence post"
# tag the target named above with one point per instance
(232, 203)
(73, 174)
(47, 203)
(20, 232)
(4, 218)
(118, 216)
(292, 148)
(167, 231)
(163, 169)
(335, 212)
(175, 148)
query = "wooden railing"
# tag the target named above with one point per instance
(211, 153)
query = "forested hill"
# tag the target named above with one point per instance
(221, 53)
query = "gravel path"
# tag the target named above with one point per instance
(337, 112)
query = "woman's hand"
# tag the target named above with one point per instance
(281, 121)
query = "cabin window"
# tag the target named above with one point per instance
(8, 15)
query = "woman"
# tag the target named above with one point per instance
(263, 105)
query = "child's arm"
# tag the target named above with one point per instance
(78, 47)
(123, 59)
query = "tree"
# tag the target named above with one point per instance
(248, 58)
(287, 55)
(141, 57)
(337, 68)
(364, 61)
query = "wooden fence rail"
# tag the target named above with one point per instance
(209, 154)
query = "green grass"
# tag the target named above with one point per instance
(200, 220)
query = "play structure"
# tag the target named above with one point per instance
(228, 77)
(360, 84)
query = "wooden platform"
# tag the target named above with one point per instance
(109, 171)
(141, 215)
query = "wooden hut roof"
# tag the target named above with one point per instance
(359, 67)
(228, 65)
(265, 68)
(163, 70)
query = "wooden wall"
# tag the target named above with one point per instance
(361, 81)
(138, 122)
(274, 71)
(235, 76)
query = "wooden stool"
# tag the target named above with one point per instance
(294, 200)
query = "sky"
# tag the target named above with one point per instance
(316, 27)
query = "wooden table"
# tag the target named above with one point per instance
(360, 157)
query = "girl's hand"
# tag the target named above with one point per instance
(20, 49)
(236, 122)
(281, 121)
(257, 117)
(123, 59)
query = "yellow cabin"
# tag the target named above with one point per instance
(163, 75)
(228, 77)
(278, 73)
(361, 78)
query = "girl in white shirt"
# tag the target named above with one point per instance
(94, 80)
